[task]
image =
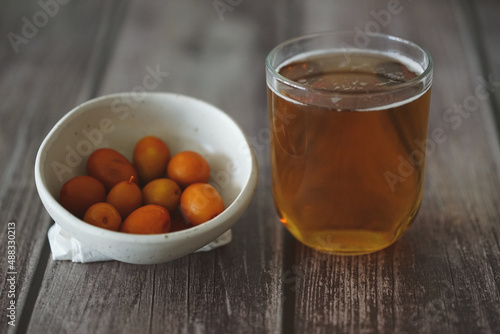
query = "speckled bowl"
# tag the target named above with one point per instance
(119, 121)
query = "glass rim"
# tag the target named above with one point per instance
(420, 77)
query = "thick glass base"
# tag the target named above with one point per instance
(350, 242)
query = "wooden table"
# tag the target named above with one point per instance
(443, 276)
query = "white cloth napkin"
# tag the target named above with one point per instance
(65, 247)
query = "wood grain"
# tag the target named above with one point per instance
(38, 87)
(236, 287)
(443, 276)
(484, 23)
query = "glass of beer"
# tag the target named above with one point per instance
(348, 116)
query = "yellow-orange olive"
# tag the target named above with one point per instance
(201, 202)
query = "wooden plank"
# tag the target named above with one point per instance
(442, 276)
(483, 25)
(94, 298)
(232, 289)
(38, 84)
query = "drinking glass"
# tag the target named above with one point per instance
(348, 118)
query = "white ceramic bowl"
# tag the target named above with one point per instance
(119, 121)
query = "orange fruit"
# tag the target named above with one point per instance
(148, 219)
(125, 196)
(201, 202)
(103, 215)
(151, 156)
(79, 193)
(110, 167)
(188, 167)
(164, 192)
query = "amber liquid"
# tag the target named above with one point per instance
(348, 180)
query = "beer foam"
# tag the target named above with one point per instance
(409, 63)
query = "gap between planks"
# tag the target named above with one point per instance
(105, 45)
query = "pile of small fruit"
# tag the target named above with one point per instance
(153, 194)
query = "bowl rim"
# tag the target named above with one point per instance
(244, 195)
